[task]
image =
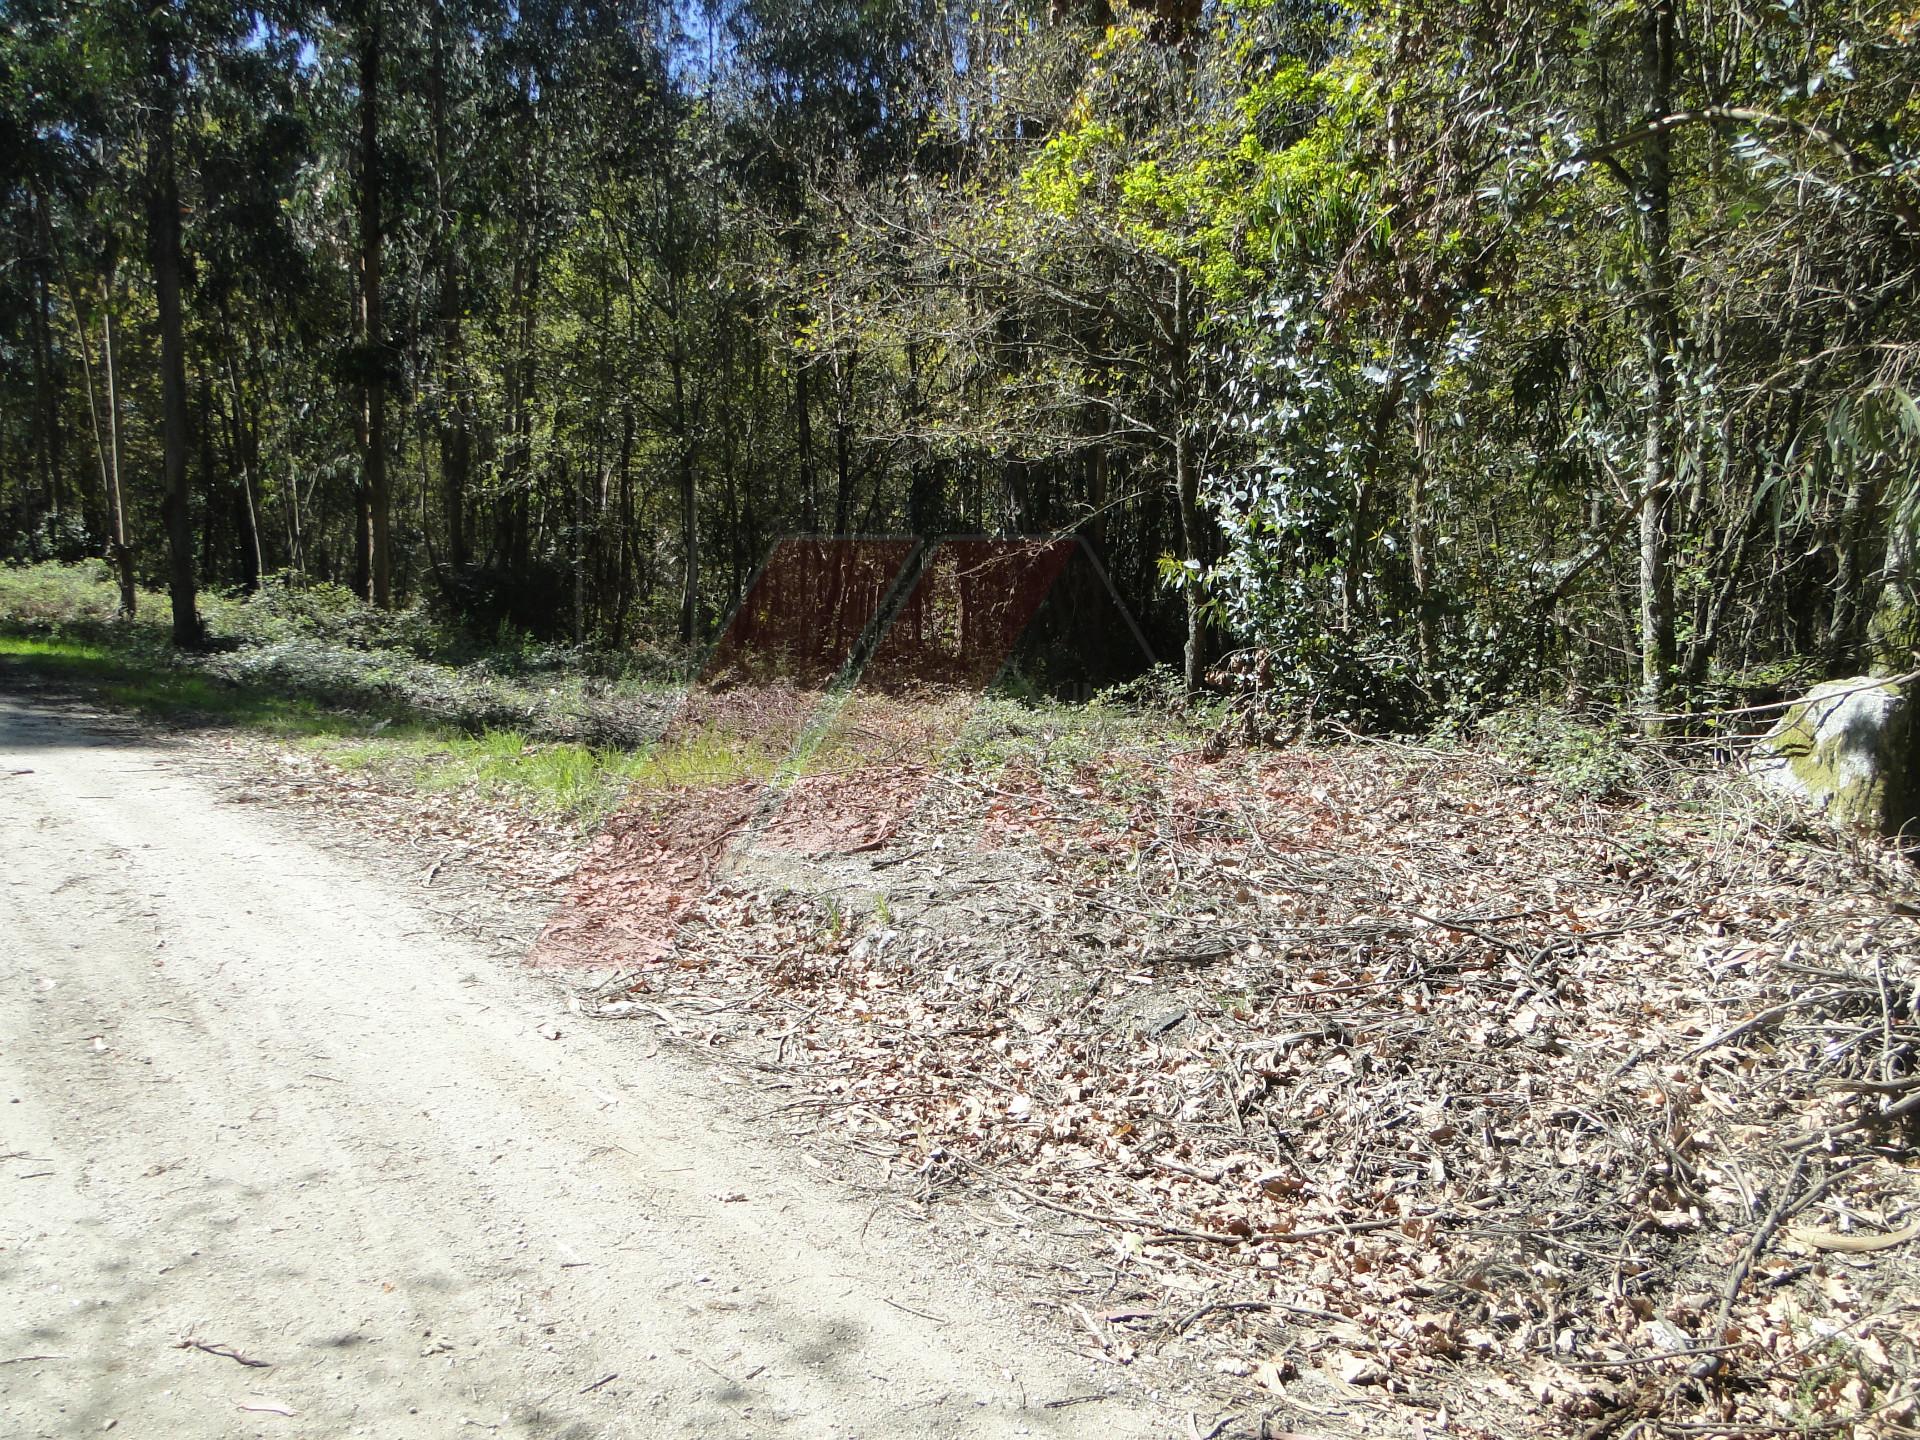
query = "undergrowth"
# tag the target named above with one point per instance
(367, 691)
(1582, 759)
(390, 697)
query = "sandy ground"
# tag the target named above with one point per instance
(254, 1095)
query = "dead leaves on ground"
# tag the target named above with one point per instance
(1370, 1082)
(1429, 1091)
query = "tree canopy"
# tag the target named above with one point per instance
(1442, 353)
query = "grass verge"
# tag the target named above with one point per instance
(382, 695)
(577, 781)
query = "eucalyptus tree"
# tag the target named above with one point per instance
(1714, 128)
(1097, 243)
(45, 159)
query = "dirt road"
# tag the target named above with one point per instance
(255, 1101)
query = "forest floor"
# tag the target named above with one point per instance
(1373, 1088)
(1361, 1088)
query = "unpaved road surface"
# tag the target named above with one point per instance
(255, 1096)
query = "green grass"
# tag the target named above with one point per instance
(129, 682)
(582, 782)
(579, 782)
(1057, 739)
(317, 642)
(706, 757)
(376, 692)
(564, 779)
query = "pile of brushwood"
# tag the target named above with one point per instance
(1360, 1087)
(1372, 1082)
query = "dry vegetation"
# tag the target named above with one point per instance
(1359, 1088)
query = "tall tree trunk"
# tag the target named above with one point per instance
(803, 420)
(689, 511)
(456, 466)
(246, 450)
(1659, 336)
(843, 373)
(455, 420)
(576, 487)
(1852, 573)
(109, 478)
(1186, 478)
(122, 551)
(362, 532)
(216, 501)
(729, 463)
(624, 586)
(46, 397)
(163, 248)
(373, 341)
(1420, 550)
(296, 537)
(519, 373)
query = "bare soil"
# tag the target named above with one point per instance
(1349, 1089)
(294, 1146)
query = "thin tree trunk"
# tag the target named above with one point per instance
(86, 370)
(689, 522)
(163, 245)
(576, 483)
(46, 403)
(296, 539)
(375, 500)
(122, 552)
(1659, 334)
(842, 371)
(215, 503)
(1186, 481)
(803, 418)
(245, 448)
(624, 586)
(362, 531)
(1850, 575)
(455, 425)
(1419, 550)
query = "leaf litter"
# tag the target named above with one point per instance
(1343, 1089)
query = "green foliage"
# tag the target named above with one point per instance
(281, 649)
(1058, 740)
(1583, 759)
(285, 608)
(149, 685)
(51, 595)
(1158, 696)
(1384, 275)
(580, 782)
(1438, 415)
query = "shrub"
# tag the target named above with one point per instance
(1580, 758)
(51, 596)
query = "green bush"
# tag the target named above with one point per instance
(287, 607)
(51, 595)
(1580, 758)
(320, 644)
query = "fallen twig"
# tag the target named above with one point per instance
(225, 1352)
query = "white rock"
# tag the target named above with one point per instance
(1848, 749)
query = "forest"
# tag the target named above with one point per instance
(1030, 717)
(1447, 353)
